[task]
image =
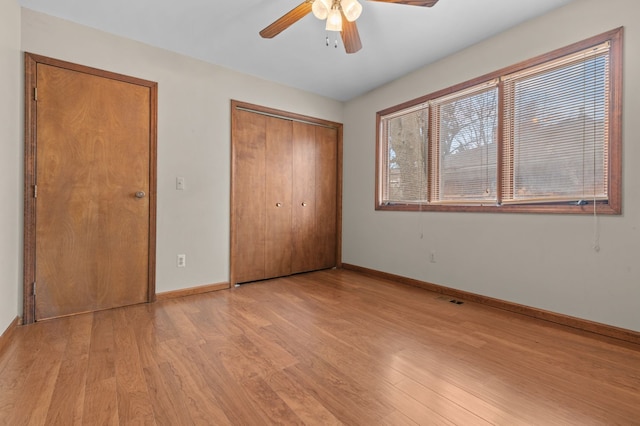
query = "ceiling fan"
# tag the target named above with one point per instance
(341, 16)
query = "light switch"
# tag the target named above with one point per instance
(180, 184)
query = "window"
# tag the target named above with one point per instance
(540, 136)
(405, 156)
(465, 138)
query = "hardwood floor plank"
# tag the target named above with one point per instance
(231, 395)
(41, 383)
(33, 395)
(181, 322)
(279, 357)
(452, 411)
(198, 396)
(418, 412)
(17, 360)
(134, 405)
(349, 404)
(101, 406)
(67, 403)
(154, 331)
(234, 362)
(301, 401)
(274, 408)
(168, 406)
(398, 419)
(451, 382)
(6, 335)
(555, 355)
(101, 400)
(325, 348)
(548, 383)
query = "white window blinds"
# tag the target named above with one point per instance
(556, 129)
(465, 134)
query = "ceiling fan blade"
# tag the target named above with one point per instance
(350, 36)
(288, 19)
(424, 3)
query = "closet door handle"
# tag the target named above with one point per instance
(304, 204)
(278, 204)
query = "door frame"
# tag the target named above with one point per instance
(258, 109)
(31, 62)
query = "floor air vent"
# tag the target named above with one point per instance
(449, 299)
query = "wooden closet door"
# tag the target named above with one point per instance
(314, 197)
(262, 197)
(285, 193)
(278, 181)
(326, 168)
(304, 218)
(249, 196)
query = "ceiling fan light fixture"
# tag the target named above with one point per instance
(334, 20)
(338, 14)
(320, 9)
(351, 9)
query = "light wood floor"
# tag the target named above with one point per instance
(332, 347)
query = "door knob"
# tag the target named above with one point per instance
(278, 204)
(140, 194)
(304, 204)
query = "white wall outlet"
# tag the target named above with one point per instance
(432, 256)
(180, 183)
(182, 261)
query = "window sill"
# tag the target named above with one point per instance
(585, 209)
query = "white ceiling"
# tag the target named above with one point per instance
(396, 39)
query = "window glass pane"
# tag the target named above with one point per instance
(559, 133)
(467, 147)
(406, 151)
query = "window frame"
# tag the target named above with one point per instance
(611, 206)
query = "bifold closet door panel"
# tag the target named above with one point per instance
(278, 181)
(314, 194)
(249, 196)
(326, 169)
(304, 219)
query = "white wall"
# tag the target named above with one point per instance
(544, 261)
(193, 136)
(10, 163)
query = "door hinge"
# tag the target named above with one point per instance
(35, 191)
(34, 288)
(35, 93)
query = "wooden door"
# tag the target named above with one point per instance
(304, 220)
(314, 194)
(249, 196)
(327, 207)
(278, 180)
(94, 167)
(262, 202)
(285, 193)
